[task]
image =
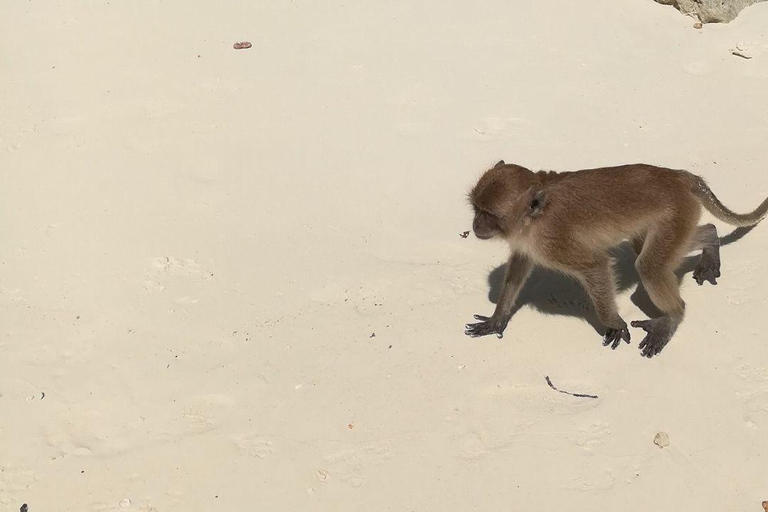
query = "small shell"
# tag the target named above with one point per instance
(242, 45)
(661, 440)
(697, 25)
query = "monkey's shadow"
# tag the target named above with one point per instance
(554, 293)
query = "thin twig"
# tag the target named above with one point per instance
(580, 395)
(738, 53)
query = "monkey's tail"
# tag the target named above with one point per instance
(720, 211)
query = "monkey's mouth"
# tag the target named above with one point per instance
(483, 236)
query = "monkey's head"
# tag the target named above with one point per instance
(505, 199)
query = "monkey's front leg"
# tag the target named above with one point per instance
(599, 282)
(518, 269)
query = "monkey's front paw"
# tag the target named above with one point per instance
(659, 330)
(484, 327)
(613, 337)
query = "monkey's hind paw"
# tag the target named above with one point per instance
(484, 327)
(660, 331)
(613, 337)
(708, 269)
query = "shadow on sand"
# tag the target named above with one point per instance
(554, 293)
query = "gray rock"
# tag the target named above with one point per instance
(710, 11)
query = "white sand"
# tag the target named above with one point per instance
(197, 242)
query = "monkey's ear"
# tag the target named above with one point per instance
(499, 164)
(537, 204)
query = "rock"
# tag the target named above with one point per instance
(710, 11)
(661, 440)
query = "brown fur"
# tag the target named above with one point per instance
(568, 221)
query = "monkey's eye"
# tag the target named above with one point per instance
(534, 204)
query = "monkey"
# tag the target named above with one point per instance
(568, 222)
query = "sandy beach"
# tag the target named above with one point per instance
(234, 279)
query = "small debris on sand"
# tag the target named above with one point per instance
(242, 45)
(740, 52)
(697, 25)
(661, 440)
(464, 234)
(580, 395)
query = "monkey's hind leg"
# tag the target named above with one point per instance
(708, 268)
(661, 255)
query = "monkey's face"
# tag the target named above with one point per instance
(501, 200)
(486, 225)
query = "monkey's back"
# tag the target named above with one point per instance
(607, 205)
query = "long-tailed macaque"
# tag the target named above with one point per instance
(568, 222)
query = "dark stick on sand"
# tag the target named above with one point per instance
(580, 395)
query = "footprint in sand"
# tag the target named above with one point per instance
(204, 413)
(167, 268)
(601, 480)
(472, 446)
(752, 373)
(254, 445)
(175, 266)
(592, 436)
(754, 401)
(13, 482)
(348, 465)
(698, 68)
(87, 432)
(755, 408)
